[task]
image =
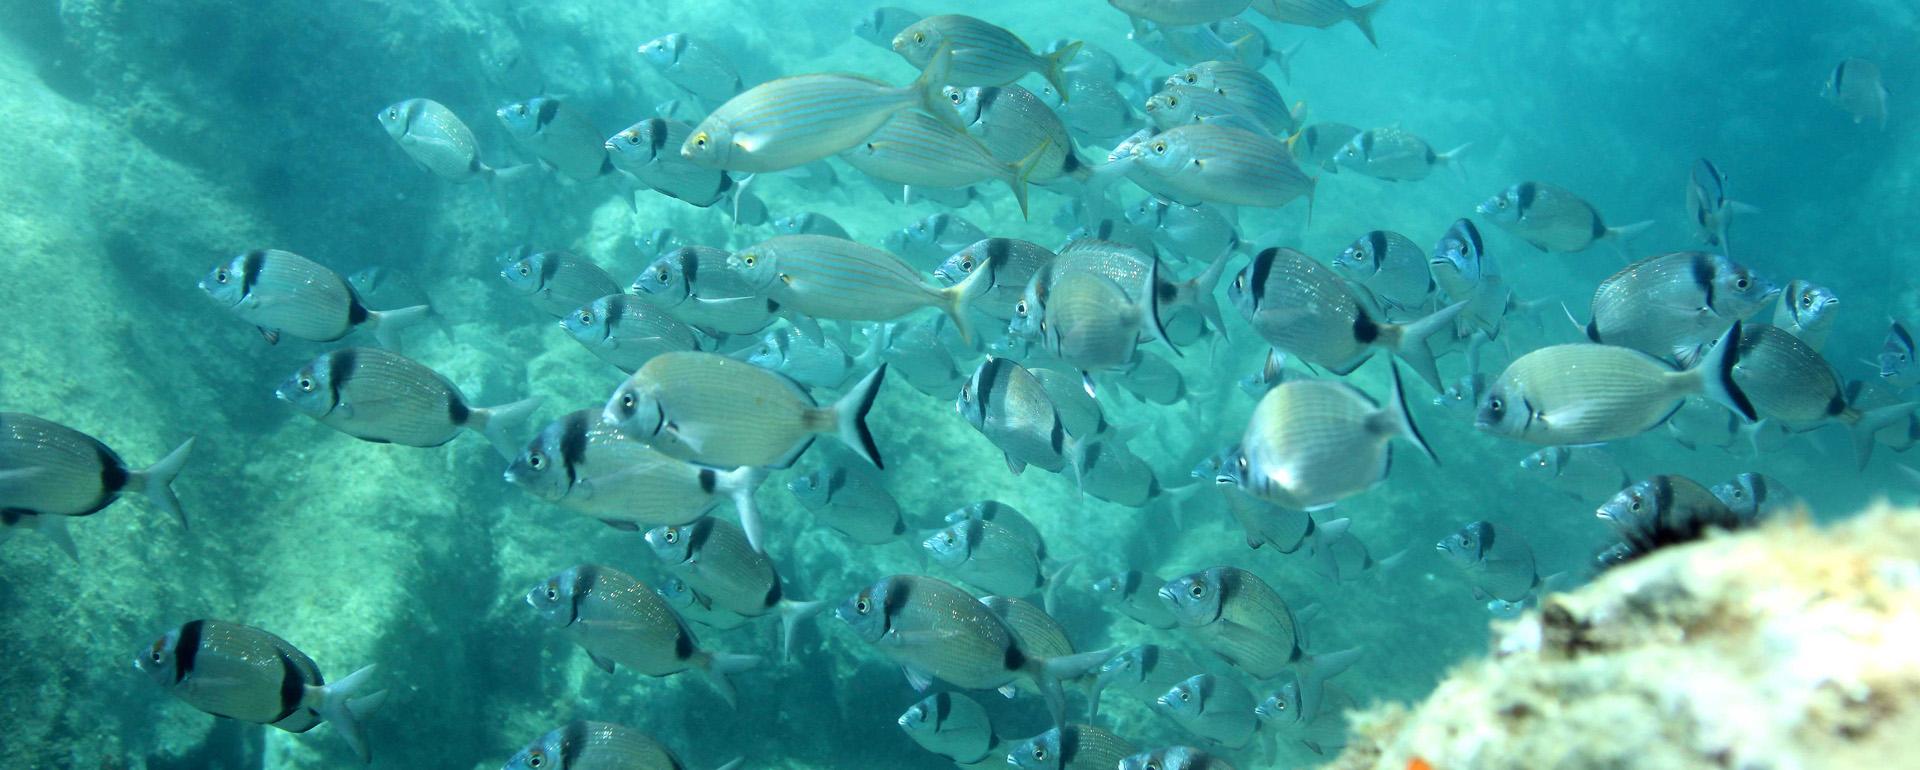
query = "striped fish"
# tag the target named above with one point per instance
(1175, 758)
(1321, 14)
(1788, 381)
(952, 725)
(1304, 309)
(694, 284)
(383, 397)
(1395, 155)
(436, 139)
(715, 558)
(696, 66)
(241, 672)
(1807, 311)
(1243, 620)
(1392, 267)
(1243, 85)
(1565, 395)
(1205, 163)
(1552, 218)
(49, 471)
(1218, 709)
(584, 745)
(1180, 12)
(1313, 443)
(650, 151)
(982, 54)
(557, 282)
(1670, 305)
(794, 121)
(819, 277)
(1017, 127)
(853, 501)
(1013, 263)
(581, 464)
(1179, 105)
(1856, 87)
(1316, 144)
(281, 292)
(1091, 322)
(626, 332)
(916, 150)
(1070, 747)
(619, 620)
(561, 137)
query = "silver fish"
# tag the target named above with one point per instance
(1018, 129)
(1316, 145)
(694, 284)
(1321, 14)
(49, 472)
(241, 672)
(1897, 354)
(1499, 564)
(652, 244)
(952, 725)
(1142, 672)
(1311, 443)
(1243, 620)
(1393, 268)
(1552, 218)
(1394, 155)
(619, 620)
(1588, 394)
(1244, 85)
(1670, 305)
(436, 139)
(1180, 757)
(694, 65)
(1078, 410)
(1187, 232)
(562, 138)
(917, 350)
(1305, 309)
(1008, 517)
(1708, 207)
(1133, 594)
(1115, 231)
(1091, 322)
(1006, 404)
(715, 558)
(1465, 272)
(650, 151)
(1215, 708)
(383, 288)
(1807, 310)
(881, 24)
(934, 237)
(995, 559)
(281, 292)
(1327, 731)
(1070, 747)
(1180, 13)
(809, 223)
(558, 282)
(1855, 87)
(1462, 396)
(1104, 468)
(1752, 496)
(1589, 473)
(697, 607)
(1179, 105)
(797, 120)
(1013, 263)
(1666, 510)
(626, 332)
(1094, 110)
(1153, 378)
(1037, 632)
(853, 500)
(1789, 382)
(982, 54)
(918, 151)
(1206, 163)
(383, 397)
(583, 465)
(1272, 372)
(814, 363)
(583, 745)
(832, 278)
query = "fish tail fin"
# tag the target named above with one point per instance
(55, 529)
(1153, 308)
(342, 703)
(739, 484)
(1412, 345)
(1400, 418)
(958, 298)
(1056, 68)
(718, 667)
(1452, 159)
(733, 764)
(388, 324)
(850, 415)
(1362, 17)
(497, 422)
(1284, 60)
(1049, 591)
(1048, 673)
(1623, 236)
(1315, 670)
(1715, 373)
(1866, 425)
(1203, 285)
(932, 79)
(156, 481)
(1020, 171)
(791, 613)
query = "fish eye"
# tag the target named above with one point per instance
(966, 265)
(1021, 307)
(1197, 590)
(392, 113)
(306, 384)
(524, 270)
(1739, 493)
(536, 758)
(1192, 78)
(946, 537)
(1173, 101)
(954, 97)
(586, 318)
(1039, 754)
(1741, 283)
(672, 536)
(747, 260)
(862, 606)
(520, 108)
(1159, 148)
(663, 275)
(220, 275)
(1635, 505)
(1502, 203)
(1185, 696)
(966, 391)
(535, 461)
(1542, 462)
(1806, 301)
(553, 591)
(155, 656)
(919, 37)
(627, 401)
(700, 140)
(1496, 406)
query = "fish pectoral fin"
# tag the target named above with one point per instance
(749, 143)
(623, 526)
(684, 438)
(1008, 691)
(919, 680)
(272, 336)
(603, 663)
(1015, 464)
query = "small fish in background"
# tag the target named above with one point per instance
(626, 332)
(1321, 14)
(1154, 379)
(1856, 88)
(1093, 109)
(1187, 232)
(1103, 467)
(386, 398)
(583, 465)
(809, 223)
(1305, 309)
(1142, 672)
(880, 25)
(1311, 443)
(1464, 271)
(1318, 143)
(1326, 733)
(1251, 47)
(49, 472)
(1587, 473)
(1178, 757)
(794, 121)
(1583, 394)
(650, 151)
(1013, 262)
(581, 744)
(1004, 515)
(281, 292)
(915, 349)
(1179, 105)
(1089, 321)
(1709, 208)
(1243, 620)
(241, 672)
(996, 560)
(1110, 230)
(1208, 163)
(1462, 396)
(982, 54)
(1286, 529)
(1273, 371)
(1180, 13)
(1018, 129)
(436, 139)
(557, 282)
(653, 244)
(1896, 357)
(693, 64)
(694, 284)
(820, 277)
(383, 288)
(920, 152)
(1867, 395)
(1753, 496)
(934, 237)
(1788, 382)
(1395, 155)
(821, 363)
(1671, 305)
(954, 726)
(1497, 562)
(1662, 511)
(853, 500)
(562, 138)
(1393, 269)
(1079, 413)
(1216, 709)
(1132, 594)
(697, 607)
(618, 620)
(1701, 422)
(1553, 219)
(1807, 311)
(715, 558)
(1245, 86)
(1070, 747)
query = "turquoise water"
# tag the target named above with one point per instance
(148, 141)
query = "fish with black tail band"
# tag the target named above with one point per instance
(1037, 632)
(584, 745)
(281, 292)
(1132, 593)
(619, 620)
(1239, 617)
(1070, 747)
(852, 500)
(1320, 14)
(436, 139)
(1588, 473)
(1181, 757)
(1089, 321)
(915, 150)
(1305, 309)
(557, 282)
(1312, 443)
(952, 725)
(1670, 305)
(1129, 266)
(49, 471)
(820, 363)
(1004, 515)
(560, 136)
(1497, 562)
(386, 398)
(1018, 129)
(582, 464)
(1391, 267)
(1078, 410)
(694, 284)
(1463, 270)
(241, 672)
(1807, 310)
(1246, 87)
(1856, 88)
(818, 277)
(1897, 354)
(715, 410)
(1318, 143)
(1709, 209)
(1665, 510)
(1570, 395)
(1141, 672)
(982, 54)
(1013, 262)
(693, 64)
(1215, 708)
(996, 560)
(650, 151)
(626, 331)
(1552, 218)
(1395, 155)
(1788, 381)
(715, 558)
(1103, 467)
(880, 25)
(1754, 496)
(1325, 734)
